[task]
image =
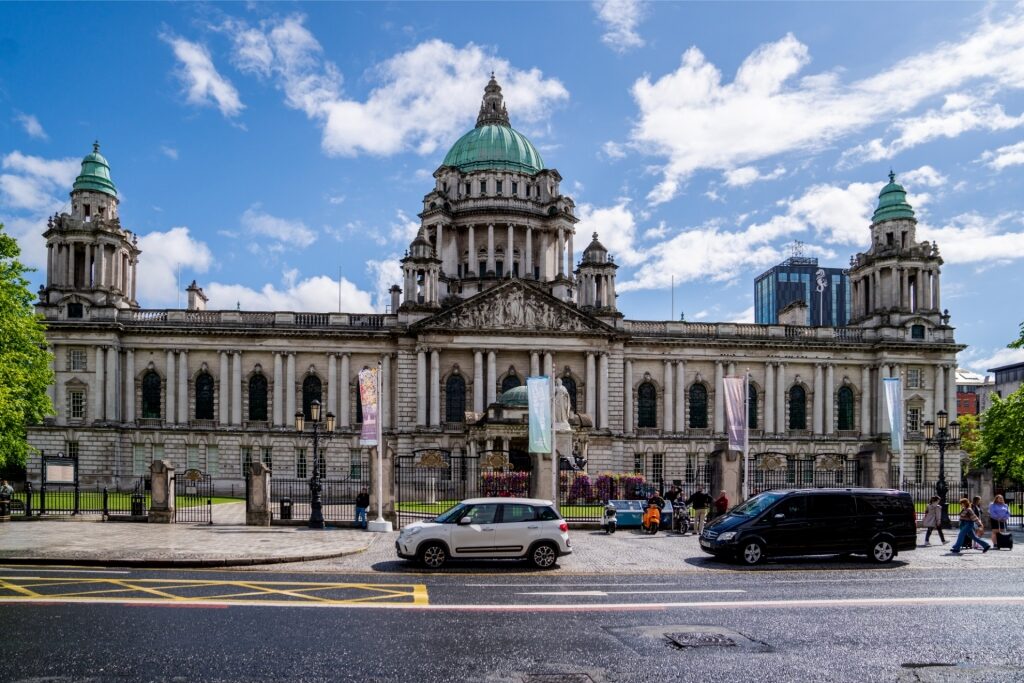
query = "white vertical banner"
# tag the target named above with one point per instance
(736, 418)
(538, 393)
(894, 404)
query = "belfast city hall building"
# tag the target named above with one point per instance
(491, 294)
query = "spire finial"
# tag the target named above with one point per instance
(595, 236)
(96, 146)
(492, 108)
(892, 176)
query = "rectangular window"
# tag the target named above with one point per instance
(158, 452)
(322, 465)
(515, 189)
(913, 419)
(268, 457)
(467, 190)
(71, 449)
(483, 187)
(355, 469)
(638, 463)
(914, 378)
(246, 459)
(192, 457)
(300, 463)
(497, 186)
(76, 404)
(140, 464)
(657, 467)
(77, 359)
(213, 461)
(919, 468)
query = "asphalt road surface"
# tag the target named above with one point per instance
(785, 622)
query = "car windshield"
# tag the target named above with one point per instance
(452, 514)
(756, 505)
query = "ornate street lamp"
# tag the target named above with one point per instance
(948, 434)
(316, 516)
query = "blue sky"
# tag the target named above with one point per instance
(271, 149)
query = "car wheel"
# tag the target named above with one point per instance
(882, 551)
(433, 555)
(751, 553)
(543, 555)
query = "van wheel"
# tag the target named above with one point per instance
(881, 551)
(543, 556)
(751, 553)
(433, 555)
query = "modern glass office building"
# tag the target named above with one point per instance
(826, 291)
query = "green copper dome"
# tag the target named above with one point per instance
(494, 148)
(516, 397)
(95, 174)
(892, 202)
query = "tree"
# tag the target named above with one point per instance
(970, 436)
(1002, 437)
(25, 370)
(1019, 344)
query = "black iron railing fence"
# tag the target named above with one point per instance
(70, 499)
(289, 498)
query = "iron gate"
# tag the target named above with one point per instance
(770, 471)
(431, 480)
(192, 493)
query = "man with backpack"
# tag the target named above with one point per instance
(700, 502)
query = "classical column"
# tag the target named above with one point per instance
(439, 244)
(225, 390)
(278, 388)
(528, 257)
(950, 391)
(49, 268)
(471, 264)
(865, 401)
(935, 287)
(719, 398)
(478, 381)
(561, 252)
(435, 388)
(905, 288)
(769, 398)
(818, 403)
(940, 390)
(681, 396)
(830, 393)
(545, 256)
(385, 392)
(883, 418)
(492, 377)
(344, 418)
(668, 405)
(572, 257)
(236, 386)
(627, 398)
(289, 390)
(170, 414)
(111, 377)
(490, 248)
(780, 399)
(421, 387)
(534, 363)
(332, 383)
(592, 386)
(183, 387)
(603, 393)
(71, 263)
(129, 385)
(88, 266)
(549, 365)
(98, 407)
(103, 277)
(510, 253)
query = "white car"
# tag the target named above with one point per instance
(489, 528)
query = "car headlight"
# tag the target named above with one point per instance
(727, 536)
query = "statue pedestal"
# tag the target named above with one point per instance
(545, 468)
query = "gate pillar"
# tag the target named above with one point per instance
(545, 468)
(257, 503)
(728, 475)
(161, 507)
(387, 487)
(875, 465)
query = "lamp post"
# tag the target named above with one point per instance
(948, 434)
(316, 516)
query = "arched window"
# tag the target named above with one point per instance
(510, 382)
(151, 395)
(204, 396)
(570, 385)
(455, 399)
(359, 406)
(845, 408)
(797, 408)
(698, 406)
(646, 405)
(751, 407)
(258, 398)
(310, 392)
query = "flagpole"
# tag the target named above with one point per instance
(746, 437)
(380, 524)
(554, 457)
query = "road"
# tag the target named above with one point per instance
(783, 622)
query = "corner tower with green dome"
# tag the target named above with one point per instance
(91, 259)
(896, 282)
(496, 212)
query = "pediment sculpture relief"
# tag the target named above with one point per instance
(513, 309)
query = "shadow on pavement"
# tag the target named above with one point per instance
(809, 562)
(461, 567)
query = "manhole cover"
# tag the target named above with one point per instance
(557, 678)
(687, 640)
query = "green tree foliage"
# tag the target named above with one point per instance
(970, 436)
(1019, 344)
(24, 361)
(1002, 437)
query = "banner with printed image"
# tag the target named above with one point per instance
(736, 411)
(368, 397)
(538, 393)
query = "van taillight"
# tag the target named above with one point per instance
(563, 527)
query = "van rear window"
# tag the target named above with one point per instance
(880, 504)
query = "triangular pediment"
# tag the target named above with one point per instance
(517, 308)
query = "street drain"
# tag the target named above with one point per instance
(687, 640)
(557, 678)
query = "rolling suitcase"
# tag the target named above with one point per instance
(1004, 540)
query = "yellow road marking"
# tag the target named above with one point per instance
(18, 589)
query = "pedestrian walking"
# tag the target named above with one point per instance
(933, 520)
(721, 504)
(362, 503)
(968, 520)
(6, 490)
(999, 516)
(672, 494)
(980, 526)
(700, 502)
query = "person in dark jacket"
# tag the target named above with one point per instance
(700, 502)
(362, 503)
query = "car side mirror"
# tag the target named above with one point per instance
(779, 516)
(465, 520)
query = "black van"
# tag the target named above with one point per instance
(877, 522)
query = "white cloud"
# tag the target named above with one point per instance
(694, 121)
(745, 175)
(1010, 155)
(32, 126)
(973, 238)
(990, 359)
(404, 228)
(620, 19)
(286, 232)
(745, 316)
(422, 98)
(36, 184)
(613, 150)
(384, 274)
(925, 176)
(616, 229)
(59, 172)
(205, 85)
(317, 294)
(169, 152)
(162, 254)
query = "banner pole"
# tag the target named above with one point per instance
(554, 457)
(380, 524)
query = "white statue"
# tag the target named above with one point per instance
(562, 406)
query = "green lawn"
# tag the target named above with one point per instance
(93, 501)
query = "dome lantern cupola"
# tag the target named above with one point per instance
(892, 202)
(95, 175)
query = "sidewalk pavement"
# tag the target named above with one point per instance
(229, 543)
